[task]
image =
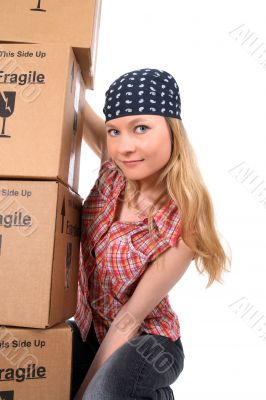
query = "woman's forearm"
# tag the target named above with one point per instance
(118, 334)
(93, 130)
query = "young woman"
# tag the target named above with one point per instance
(147, 217)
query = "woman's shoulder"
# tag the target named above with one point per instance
(106, 166)
(110, 179)
(99, 203)
(168, 221)
(165, 232)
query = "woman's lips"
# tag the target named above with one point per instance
(132, 162)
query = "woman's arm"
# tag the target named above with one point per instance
(155, 283)
(122, 329)
(94, 132)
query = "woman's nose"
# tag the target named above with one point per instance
(126, 143)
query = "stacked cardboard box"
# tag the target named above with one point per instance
(72, 22)
(35, 364)
(47, 58)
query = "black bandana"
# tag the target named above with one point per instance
(143, 91)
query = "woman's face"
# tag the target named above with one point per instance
(139, 137)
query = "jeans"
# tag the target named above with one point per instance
(142, 368)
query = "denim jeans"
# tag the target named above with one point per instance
(142, 368)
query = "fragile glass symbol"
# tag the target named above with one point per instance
(7, 105)
(38, 8)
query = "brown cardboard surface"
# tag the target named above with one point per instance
(39, 252)
(41, 112)
(75, 23)
(35, 364)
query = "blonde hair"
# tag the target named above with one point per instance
(184, 184)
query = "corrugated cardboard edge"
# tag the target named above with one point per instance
(69, 323)
(48, 325)
(95, 38)
(63, 109)
(70, 344)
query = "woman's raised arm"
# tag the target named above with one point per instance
(94, 132)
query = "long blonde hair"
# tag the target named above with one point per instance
(184, 184)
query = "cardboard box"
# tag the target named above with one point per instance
(75, 23)
(35, 364)
(39, 252)
(41, 112)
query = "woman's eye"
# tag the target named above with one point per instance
(139, 128)
(112, 130)
(142, 128)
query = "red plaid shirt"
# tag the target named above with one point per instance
(114, 255)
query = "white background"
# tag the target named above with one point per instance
(222, 79)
